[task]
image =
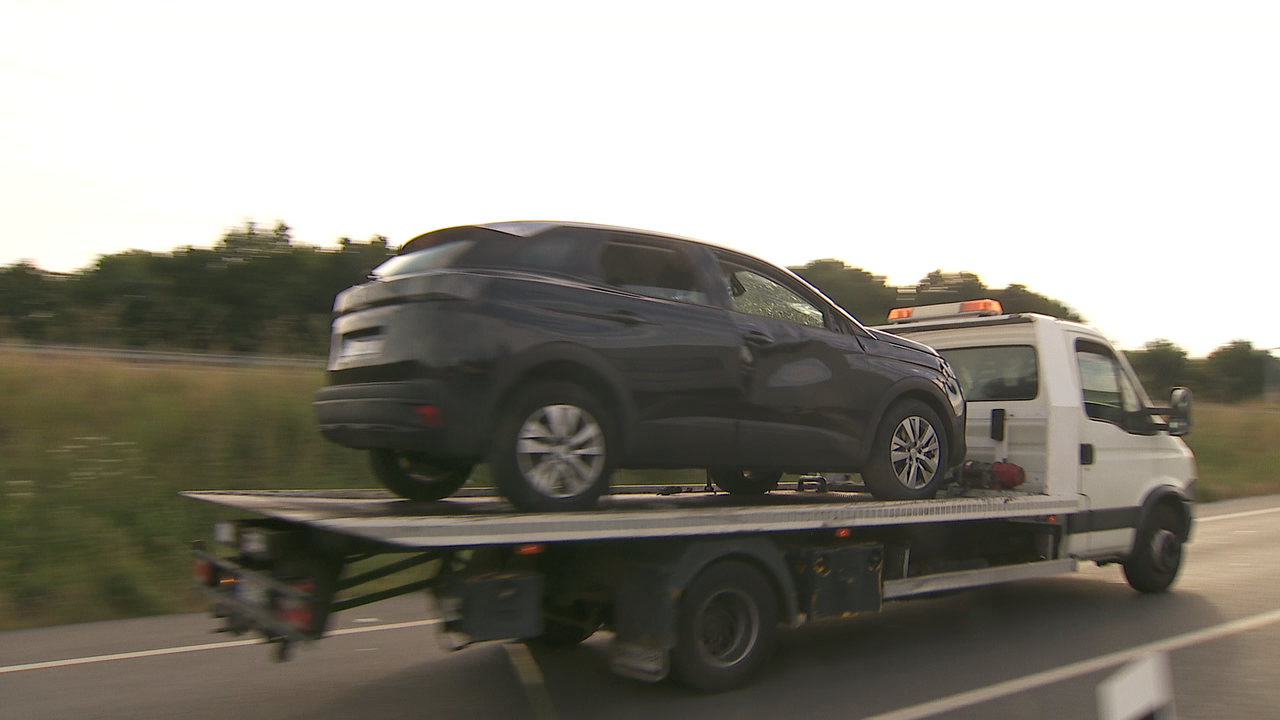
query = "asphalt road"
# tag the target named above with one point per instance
(1036, 649)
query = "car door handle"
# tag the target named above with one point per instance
(626, 317)
(757, 338)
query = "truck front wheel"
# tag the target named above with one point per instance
(1157, 554)
(726, 628)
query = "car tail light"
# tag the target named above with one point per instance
(428, 414)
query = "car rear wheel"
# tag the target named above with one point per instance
(745, 482)
(416, 476)
(908, 457)
(552, 450)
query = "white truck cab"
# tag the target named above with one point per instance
(1055, 398)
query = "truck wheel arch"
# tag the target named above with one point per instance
(1174, 498)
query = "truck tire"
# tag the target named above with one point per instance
(1157, 552)
(726, 627)
(745, 482)
(908, 455)
(415, 476)
(553, 449)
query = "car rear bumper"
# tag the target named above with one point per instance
(421, 416)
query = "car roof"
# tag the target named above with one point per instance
(529, 228)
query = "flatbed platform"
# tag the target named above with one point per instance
(474, 521)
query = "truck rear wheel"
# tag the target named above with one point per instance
(745, 482)
(552, 450)
(416, 476)
(908, 455)
(726, 627)
(1157, 553)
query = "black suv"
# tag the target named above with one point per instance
(557, 352)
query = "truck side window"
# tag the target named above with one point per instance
(998, 372)
(1109, 394)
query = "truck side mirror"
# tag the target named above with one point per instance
(1180, 415)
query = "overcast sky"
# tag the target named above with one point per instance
(1123, 157)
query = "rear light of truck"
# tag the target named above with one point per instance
(204, 573)
(296, 611)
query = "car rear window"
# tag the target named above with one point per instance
(558, 251)
(1003, 372)
(432, 258)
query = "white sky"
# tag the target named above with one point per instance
(1123, 157)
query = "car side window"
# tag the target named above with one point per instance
(1109, 394)
(653, 270)
(754, 293)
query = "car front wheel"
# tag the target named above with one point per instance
(552, 449)
(908, 457)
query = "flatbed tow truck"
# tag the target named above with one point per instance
(1069, 462)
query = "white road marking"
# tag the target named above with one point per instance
(1246, 513)
(531, 678)
(195, 648)
(1084, 667)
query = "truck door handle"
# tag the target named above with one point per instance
(1086, 454)
(757, 338)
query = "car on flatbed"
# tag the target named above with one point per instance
(557, 352)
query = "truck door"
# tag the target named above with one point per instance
(1117, 453)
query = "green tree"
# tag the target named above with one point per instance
(1235, 371)
(864, 295)
(1161, 366)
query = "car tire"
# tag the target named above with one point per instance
(745, 482)
(416, 476)
(908, 455)
(1157, 552)
(726, 627)
(553, 449)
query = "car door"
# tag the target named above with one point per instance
(1117, 455)
(800, 399)
(673, 346)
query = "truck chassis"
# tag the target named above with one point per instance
(691, 582)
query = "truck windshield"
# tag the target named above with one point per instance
(1004, 372)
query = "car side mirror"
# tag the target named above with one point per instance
(1180, 411)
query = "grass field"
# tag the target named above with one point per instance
(94, 452)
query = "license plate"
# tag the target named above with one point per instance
(252, 592)
(361, 347)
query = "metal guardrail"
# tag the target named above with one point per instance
(167, 356)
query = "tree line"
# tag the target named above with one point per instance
(256, 290)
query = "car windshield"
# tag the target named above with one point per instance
(432, 258)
